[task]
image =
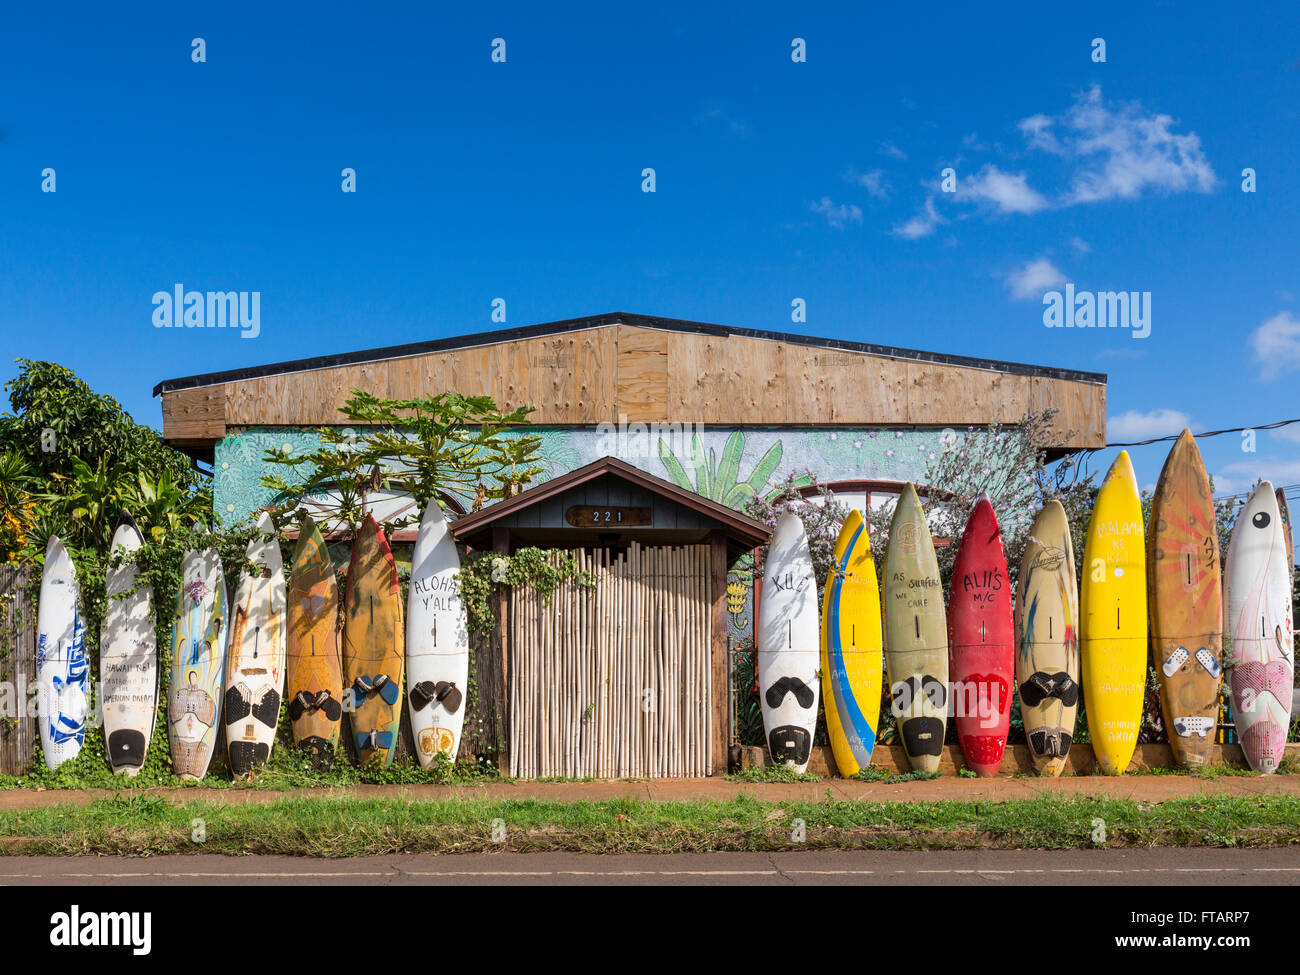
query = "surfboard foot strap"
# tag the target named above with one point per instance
(923, 736)
(319, 749)
(1042, 685)
(380, 684)
(267, 710)
(126, 749)
(444, 692)
(1189, 725)
(1174, 661)
(374, 740)
(1207, 660)
(247, 755)
(790, 743)
(309, 702)
(790, 685)
(189, 757)
(1053, 743)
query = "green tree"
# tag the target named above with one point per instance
(87, 459)
(449, 443)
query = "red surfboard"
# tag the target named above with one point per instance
(981, 642)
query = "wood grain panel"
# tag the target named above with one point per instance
(1082, 409)
(642, 367)
(725, 380)
(593, 375)
(18, 738)
(195, 414)
(834, 386)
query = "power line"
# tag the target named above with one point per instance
(1209, 433)
(1079, 458)
(1291, 491)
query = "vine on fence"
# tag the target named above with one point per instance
(543, 569)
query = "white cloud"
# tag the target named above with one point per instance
(892, 151)
(1134, 425)
(1032, 280)
(1242, 476)
(1276, 344)
(1037, 130)
(1291, 433)
(1080, 245)
(1006, 192)
(921, 225)
(837, 215)
(1121, 150)
(873, 182)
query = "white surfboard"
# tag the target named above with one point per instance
(62, 667)
(437, 641)
(1258, 630)
(128, 658)
(789, 650)
(255, 655)
(199, 631)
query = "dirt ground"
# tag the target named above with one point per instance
(1144, 788)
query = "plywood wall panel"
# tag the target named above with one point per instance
(641, 392)
(725, 379)
(593, 375)
(834, 386)
(946, 394)
(195, 414)
(1081, 406)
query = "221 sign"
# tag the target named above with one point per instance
(594, 516)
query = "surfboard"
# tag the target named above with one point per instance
(62, 666)
(1257, 614)
(1047, 640)
(1113, 637)
(128, 658)
(916, 634)
(313, 664)
(1185, 602)
(373, 645)
(1284, 511)
(198, 666)
(788, 645)
(255, 655)
(981, 637)
(437, 641)
(851, 661)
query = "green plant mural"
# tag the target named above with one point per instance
(719, 480)
(709, 462)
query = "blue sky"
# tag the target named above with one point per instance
(775, 180)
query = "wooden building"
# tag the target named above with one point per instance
(673, 421)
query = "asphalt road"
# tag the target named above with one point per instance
(1145, 867)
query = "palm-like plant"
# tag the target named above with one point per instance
(162, 505)
(16, 505)
(719, 479)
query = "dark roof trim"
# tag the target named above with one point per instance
(740, 527)
(611, 318)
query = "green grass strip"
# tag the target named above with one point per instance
(339, 827)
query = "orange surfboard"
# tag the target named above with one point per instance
(1185, 598)
(313, 667)
(374, 646)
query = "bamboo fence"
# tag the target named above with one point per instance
(614, 681)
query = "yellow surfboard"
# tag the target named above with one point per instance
(851, 649)
(1114, 619)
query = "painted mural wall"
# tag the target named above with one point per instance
(726, 464)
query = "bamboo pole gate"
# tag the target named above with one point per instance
(614, 681)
